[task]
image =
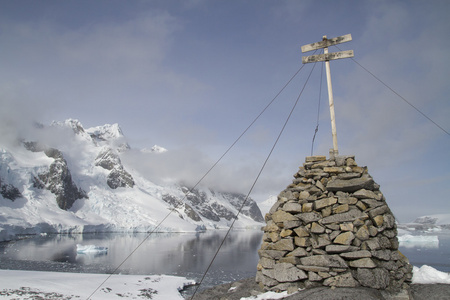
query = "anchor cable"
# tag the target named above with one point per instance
(198, 182)
(318, 110)
(254, 183)
(400, 96)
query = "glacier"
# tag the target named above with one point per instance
(66, 162)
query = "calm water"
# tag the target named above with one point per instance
(431, 254)
(182, 254)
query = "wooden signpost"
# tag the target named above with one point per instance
(325, 43)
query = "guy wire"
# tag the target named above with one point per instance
(253, 185)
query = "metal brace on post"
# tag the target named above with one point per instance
(325, 43)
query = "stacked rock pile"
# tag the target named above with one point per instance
(331, 227)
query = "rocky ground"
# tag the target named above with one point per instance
(249, 287)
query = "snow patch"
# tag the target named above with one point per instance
(429, 275)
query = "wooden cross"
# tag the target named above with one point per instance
(325, 43)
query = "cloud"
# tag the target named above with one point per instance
(191, 166)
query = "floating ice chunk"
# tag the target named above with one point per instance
(91, 249)
(429, 275)
(419, 241)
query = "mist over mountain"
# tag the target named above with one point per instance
(65, 178)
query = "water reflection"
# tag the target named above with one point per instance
(183, 254)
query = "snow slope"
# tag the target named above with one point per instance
(68, 159)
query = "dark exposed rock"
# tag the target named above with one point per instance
(176, 203)
(118, 177)
(9, 191)
(58, 180)
(200, 202)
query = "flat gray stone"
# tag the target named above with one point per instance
(285, 272)
(324, 261)
(351, 185)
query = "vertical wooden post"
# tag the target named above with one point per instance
(331, 102)
(326, 57)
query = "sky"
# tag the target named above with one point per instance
(191, 76)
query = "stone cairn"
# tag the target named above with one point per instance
(331, 227)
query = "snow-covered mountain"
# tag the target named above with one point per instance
(429, 223)
(71, 179)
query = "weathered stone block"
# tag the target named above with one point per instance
(340, 248)
(299, 251)
(319, 204)
(315, 158)
(284, 244)
(333, 170)
(292, 207)
(271, 254)
(272, 237)
(316, 228)
(343, 280)
(280, 216)
(349, 216)
(303, 195)
(320, 242)
(266, 262)
(389, 220)
(346, 227)
(313, 276)
(349, 175)
(345, 238)
(265, 281)
(382, 254)
(328, 261)
(326, 211)
(372, 203)
(313, 268)
(362, 263)
(341, 209)
(371, 244)
(307, 207)
(302, 241)
(351, 185)
(377, 278)
(301, 231)
(366, 194)
(378, 211)
(291, 224)
(310, 217)
(285, 233)
(320, 186)
(271, 227)
(378, 220)
(295, 260)
(363, 233)
(284, 272)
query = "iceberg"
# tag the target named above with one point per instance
(91, 249)
(418, 241)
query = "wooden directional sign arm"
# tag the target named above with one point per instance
(327, 57)
(327, 42)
